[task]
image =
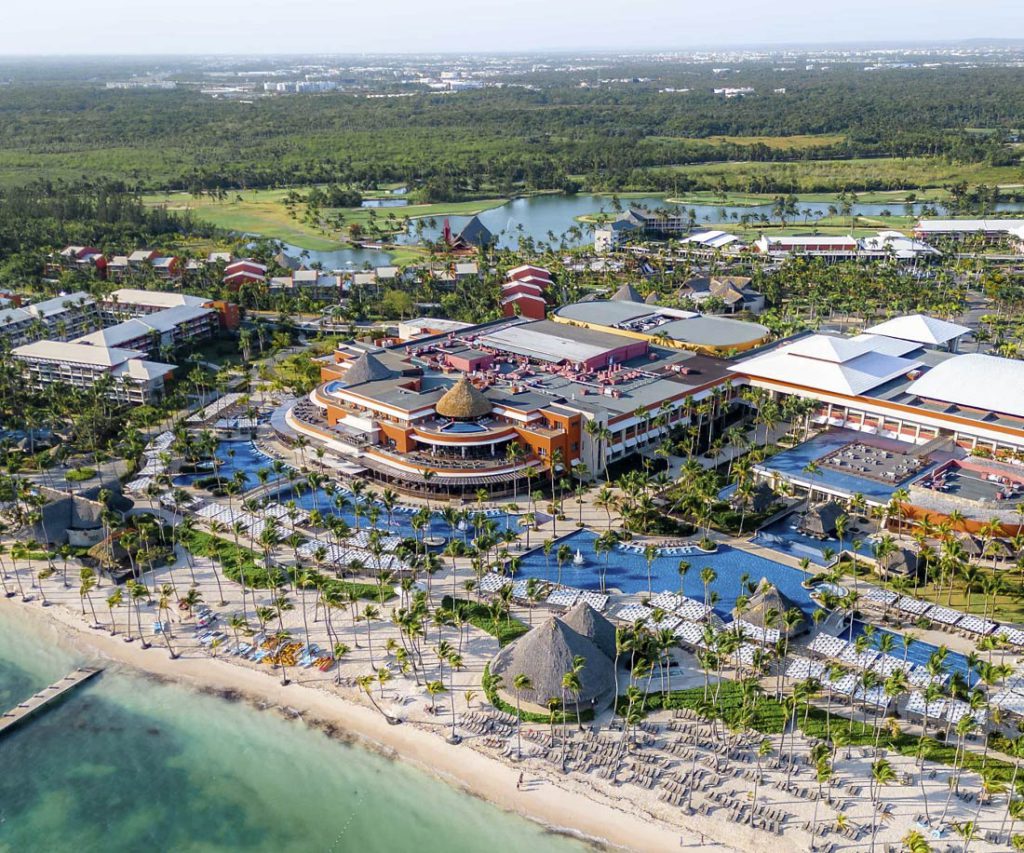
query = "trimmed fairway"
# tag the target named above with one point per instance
(263, 212)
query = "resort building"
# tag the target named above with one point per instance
(524, 293)
(441, 414)
(150, 333)
(990, 230)
(244, 271)
(128, 303)
(732, 292)
(902, 411)
(132, 378)
(60, 318)
(86, 259)
(626, 314)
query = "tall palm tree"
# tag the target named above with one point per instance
(881, 774)
(520, 683)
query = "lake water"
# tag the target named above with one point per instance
(540, 217)
(127, 764)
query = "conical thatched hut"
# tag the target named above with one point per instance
(585, 620)
(767, 599)
(820, 520)
(463, 402)
(627, 293)
(544, 655)
(366, 368)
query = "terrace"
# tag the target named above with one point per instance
(885, 461)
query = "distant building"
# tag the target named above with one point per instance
(732, 291)
(244, 271)
(990, 230)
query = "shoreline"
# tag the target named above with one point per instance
(556, 809)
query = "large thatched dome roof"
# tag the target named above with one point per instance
(547, 653)
(463, 401)
(585, 620)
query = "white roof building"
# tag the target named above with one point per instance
(1014, 227)
(898, 246)
(60, 304)
(827, 363)
(129, 296)
(713, 239)
(921, 329)
(976, 381)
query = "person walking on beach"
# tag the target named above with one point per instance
(519, 782)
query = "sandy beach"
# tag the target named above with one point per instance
(593, 818)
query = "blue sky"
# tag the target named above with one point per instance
(345, 26)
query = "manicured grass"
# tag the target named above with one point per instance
(235, 560)
(1008, 606)
(506, 630)
(768, 717)
(78, 475)
(368, 591)
(491, 693)
(258, 212)
(263, 212)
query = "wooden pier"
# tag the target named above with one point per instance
(47, 696)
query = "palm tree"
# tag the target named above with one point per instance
(520, 683)
(881, 774)
(114, 600)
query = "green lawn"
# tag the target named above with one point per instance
(263, 212)
(478, 615)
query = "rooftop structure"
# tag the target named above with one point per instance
(532, 384)
(665, 326)
(921, 329)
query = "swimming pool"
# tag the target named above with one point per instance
(782, 537)
(235, 456)
(628, 572)
(463, 427)
(918, 652)
(400, 523)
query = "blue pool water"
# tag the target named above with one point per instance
(628, 572)
(400, 523)
(234, 456)
(462, 427)
(779, 536)
(918, 652)
(791, 464)
(333, 386)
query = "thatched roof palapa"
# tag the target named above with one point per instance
(821, 520)
(463, 401)
(585, 620)
(767, 599)
(544, 655)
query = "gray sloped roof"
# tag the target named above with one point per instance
(585, 620)
(367, 368)
(544, 655)
(627, 293)
(475, 232)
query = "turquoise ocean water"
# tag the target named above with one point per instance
(129, 764)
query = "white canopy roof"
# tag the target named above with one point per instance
(920, 328)
(827, 363)
(976, 381)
